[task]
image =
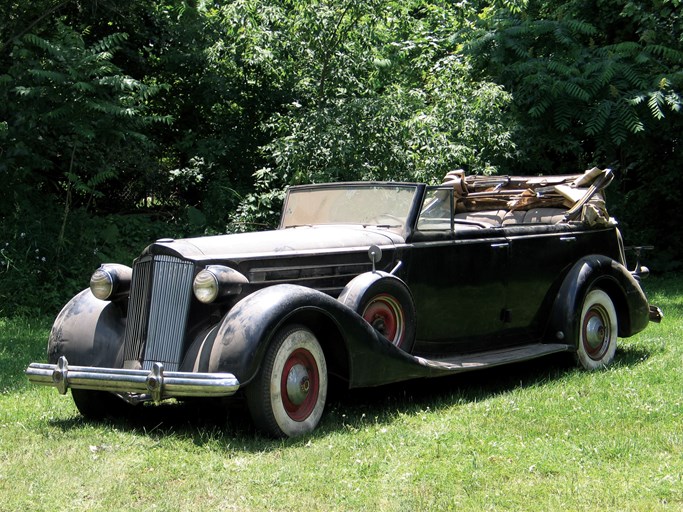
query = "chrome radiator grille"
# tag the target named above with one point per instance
(157, 312)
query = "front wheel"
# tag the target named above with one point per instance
(597, 339)
(98, 405)
(287, 397)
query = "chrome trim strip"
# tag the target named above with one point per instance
(157, 382)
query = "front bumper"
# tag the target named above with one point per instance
(155, 383)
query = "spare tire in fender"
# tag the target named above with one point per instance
(385, 302)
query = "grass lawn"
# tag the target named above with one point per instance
(534, 436)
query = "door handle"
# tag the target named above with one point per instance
(502, 245)
(567, 239)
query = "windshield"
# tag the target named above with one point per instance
(386, 205)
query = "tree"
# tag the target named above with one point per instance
(586, 78)
(73, 120)
(380, 92)
(73, 123)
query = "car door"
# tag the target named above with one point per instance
(457, 281)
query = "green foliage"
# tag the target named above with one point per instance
(380, 92)
(38, 277)
(74, 120)
(596, 84)
(74, 125)
(576, 74)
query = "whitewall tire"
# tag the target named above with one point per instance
(287, 398)
(598, 328)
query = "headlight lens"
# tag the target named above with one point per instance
(111, 281)
(216, 283)
(102, 284)
(205, 286)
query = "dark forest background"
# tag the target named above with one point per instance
(126, 121)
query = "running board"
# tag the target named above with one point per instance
(489, 359)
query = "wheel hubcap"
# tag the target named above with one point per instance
(596, 333)
(385, 315)
(300, 383)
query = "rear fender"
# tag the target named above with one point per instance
(88, 332)
(597, 271)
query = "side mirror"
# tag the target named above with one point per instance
(375, 254)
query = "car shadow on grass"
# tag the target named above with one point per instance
(203, 421)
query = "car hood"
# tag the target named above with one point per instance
(313, 239)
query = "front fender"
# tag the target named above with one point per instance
(241, 339)
(88, 332)
(603, 272)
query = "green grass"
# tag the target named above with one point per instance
(536, 436)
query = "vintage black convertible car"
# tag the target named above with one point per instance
(372, 283)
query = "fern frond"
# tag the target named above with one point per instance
(62, 112)
(626, 48)
(562, 115)
(581, 27)
(48, 47)
(109, 43)
(518, 47)
(629, 118)
(540, 107)
(599, 117)
(637, 99)
(618, 133)
(655, 104)
(576, 91)
(23, 91)
(605, 74)
(46, 74)
(100, 177)
(560, 68)
(674, 101)
(661, 51)
(634, 77)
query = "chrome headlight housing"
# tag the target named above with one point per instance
(111, 281)
(216, 282)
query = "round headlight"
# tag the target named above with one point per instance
(102, 284)
(111, 281)
(216, 283)
(205, 286)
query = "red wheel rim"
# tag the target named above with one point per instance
(596, 332)
(385, 314)
(300, 384)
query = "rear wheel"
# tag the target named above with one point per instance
(598, 328)
(287, 397)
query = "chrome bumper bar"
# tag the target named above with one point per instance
(157, 383)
